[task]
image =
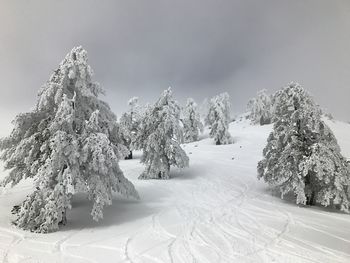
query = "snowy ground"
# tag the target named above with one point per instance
(214, 211)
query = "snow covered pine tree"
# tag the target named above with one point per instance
(191, 121)
(218, 119)
(68, 144)
(204, 108)
(159, 138)
(302, 155)
(129, 124)
(260, 108)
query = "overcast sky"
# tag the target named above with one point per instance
(199, 47)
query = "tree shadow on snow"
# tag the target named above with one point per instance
(203, 136)
(137, 155)
(121, 211)
(290, 200)
(185, 174)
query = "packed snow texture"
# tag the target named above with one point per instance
(214, 211)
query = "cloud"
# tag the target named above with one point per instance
(199, 47)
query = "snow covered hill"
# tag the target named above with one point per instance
(214, 211)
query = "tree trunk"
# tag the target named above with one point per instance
(64, 218)
(129, 157)
(165, 174)
(310, 199)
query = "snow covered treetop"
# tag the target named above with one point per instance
(72, 71)
(133, 101)
(294, 98)
(191, 101)
(166, 97)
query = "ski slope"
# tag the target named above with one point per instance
(214, 211)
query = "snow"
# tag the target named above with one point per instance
(214, 211)
(341, 131)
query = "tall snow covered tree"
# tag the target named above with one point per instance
(68, 144)
(260, 108)
(302, 155)
(204, 109)
(129, 124)
(191, 121)
(159, 138)
(218, 119)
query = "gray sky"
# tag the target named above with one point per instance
(199, 47)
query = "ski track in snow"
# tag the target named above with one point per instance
(214, 211)
(16, 239)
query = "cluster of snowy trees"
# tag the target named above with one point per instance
(71, 143)
(261, 108)
(302, 155)
(215, 112)
(161, 129)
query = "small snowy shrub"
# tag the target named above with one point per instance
(69, 143)
(218, 119)
(192, 124)
(160, 137)
(260, 108)
(302, 155)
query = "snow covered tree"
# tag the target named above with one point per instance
(129, 124)
(159, 138)
(191, 121)
(68, 144)
(218, 119)
(204, 108)
(260, 108)
(302, 155)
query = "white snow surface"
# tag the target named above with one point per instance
(214, 211)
